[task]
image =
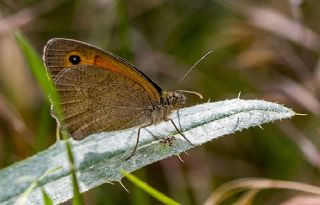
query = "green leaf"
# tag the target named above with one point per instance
(150, 190)
(34, 183)
(100, 157)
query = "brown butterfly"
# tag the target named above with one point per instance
(99, 91)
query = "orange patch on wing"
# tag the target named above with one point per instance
(121, 69)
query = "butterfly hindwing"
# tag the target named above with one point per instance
(95, 100)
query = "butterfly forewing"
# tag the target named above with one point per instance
(58, 51)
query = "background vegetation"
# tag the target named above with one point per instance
(267, 49)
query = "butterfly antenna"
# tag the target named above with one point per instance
(187, 73)
(191, 92)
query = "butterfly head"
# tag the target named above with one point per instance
(174, 99)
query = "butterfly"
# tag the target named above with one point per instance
(100, 91)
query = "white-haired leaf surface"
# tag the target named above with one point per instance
(100, 157)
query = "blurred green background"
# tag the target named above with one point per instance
(265, 49)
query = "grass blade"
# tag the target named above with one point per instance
(46, 198)
(150, 190)
(45, 82)
(38, 70)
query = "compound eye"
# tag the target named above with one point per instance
(74, 59)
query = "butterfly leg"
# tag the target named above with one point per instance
(179, 132)
(137, 142)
